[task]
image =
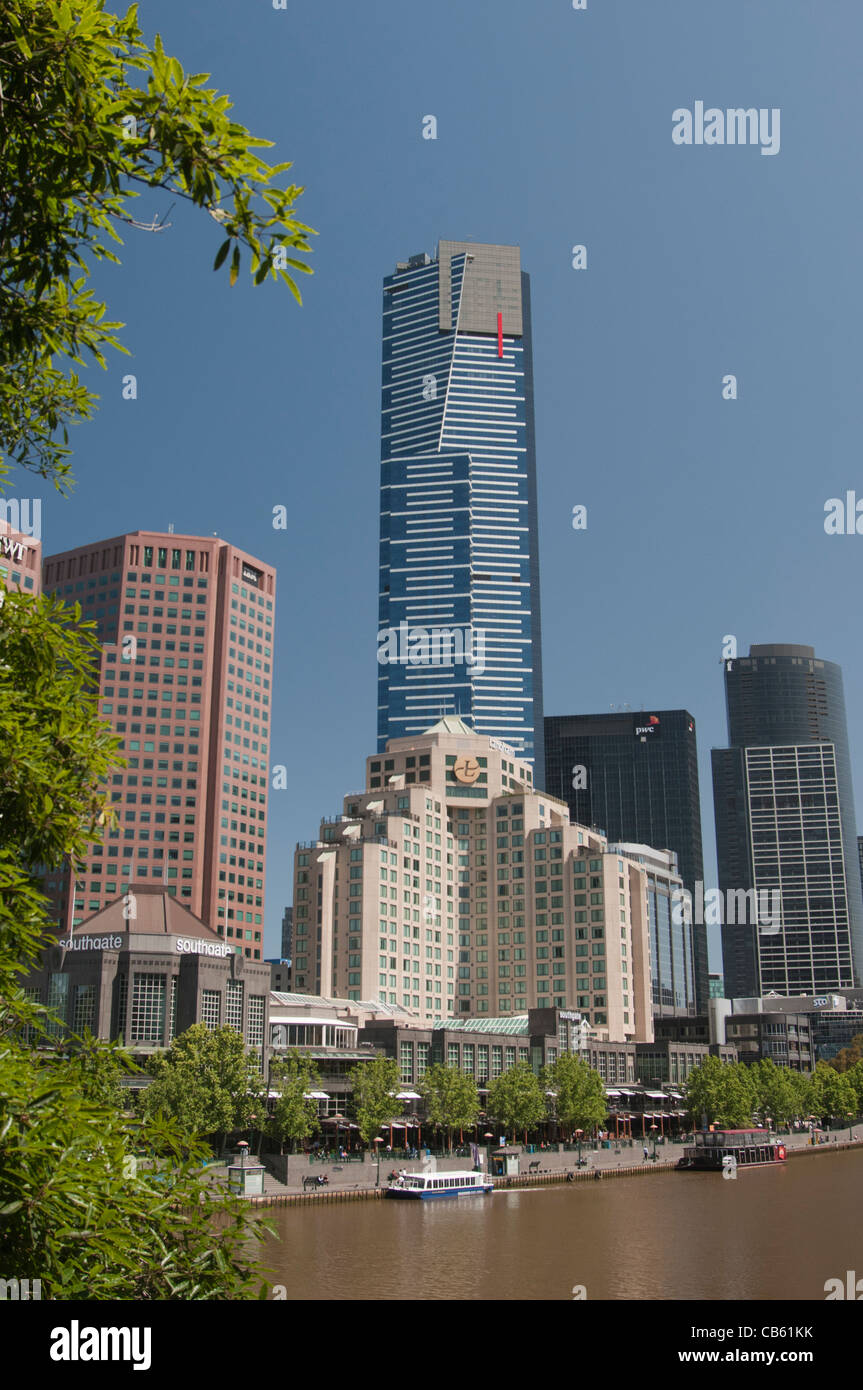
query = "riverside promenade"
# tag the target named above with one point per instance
(356, 1180)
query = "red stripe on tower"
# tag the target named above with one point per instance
(500, 335)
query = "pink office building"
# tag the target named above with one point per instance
(186, 627)
(20, 554)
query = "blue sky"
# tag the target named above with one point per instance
(705, 516)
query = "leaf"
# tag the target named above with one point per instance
(235, 265)
(222, 253)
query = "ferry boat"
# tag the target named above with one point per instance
(749, 1148)
(427, 1186)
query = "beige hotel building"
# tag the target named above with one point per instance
(450, 887)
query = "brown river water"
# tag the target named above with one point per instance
(772, 1233)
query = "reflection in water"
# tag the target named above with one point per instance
(773, 1233)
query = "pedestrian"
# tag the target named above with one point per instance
(645, 1153)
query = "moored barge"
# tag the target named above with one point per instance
(748, 1148)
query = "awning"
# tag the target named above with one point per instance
(656, 1095)
(315, 1095)
(408, 1095)
(612, 1093)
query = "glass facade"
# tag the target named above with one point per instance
(459, 625)
(634, 776)
(785, 823)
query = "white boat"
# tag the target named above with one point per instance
(428, 1186)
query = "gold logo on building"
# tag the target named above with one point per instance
(466, 770)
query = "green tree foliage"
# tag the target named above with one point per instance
(295, 1116)
(375, 1087)
(834, 1093)
(207, 1081)
(54, 751)
(516, 1099)
(451, 1098)
(724, 1092)
(581, 1101)
(92, 115)
(71, 1212)
(849, 1056)
(776, 1095)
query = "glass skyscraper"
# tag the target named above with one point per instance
(634, 776)
(785, 824)
(459, 625)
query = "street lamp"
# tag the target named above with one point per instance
(378, 1142)
(850, 1114)
(653, 1137)
(579, 1133)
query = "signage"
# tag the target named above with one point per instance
(501, 746)
(466, 770)
(568, 1013)
(252, 576)
(14, 550)
(187, 946)
(646, 725)
(93, 943)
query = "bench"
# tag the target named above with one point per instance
(533, 1167)
(315, 1182)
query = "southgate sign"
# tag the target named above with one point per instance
(183, 944)
(203, 948)
(93, 943)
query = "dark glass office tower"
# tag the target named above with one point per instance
(785, 824)
(635, 776)
(459, 628)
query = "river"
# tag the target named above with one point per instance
(771, 1233)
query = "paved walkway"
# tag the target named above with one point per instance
(354, 1176)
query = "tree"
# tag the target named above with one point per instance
(208, 1081)
(72, 1214)
(295, 1114)
(451, 1098)
(375, 1087)
(516, 1099)
(833, 1093)
(581, 1100)
(90, 115)
(724, 1092)
(775, 1093)
(849, 1056)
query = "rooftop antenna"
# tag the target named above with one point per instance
(170, 528)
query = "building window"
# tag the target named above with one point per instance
(406, 1060)
(172, 1010)
(234, 1005)
(85, 1008)
(211, 1008)
(58, 1001)
(255, 1037)
(148, 1009)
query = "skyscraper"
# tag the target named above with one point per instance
(785, 824)
(459, 623)
(186, 626)
(535, 912)
(635, 777)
